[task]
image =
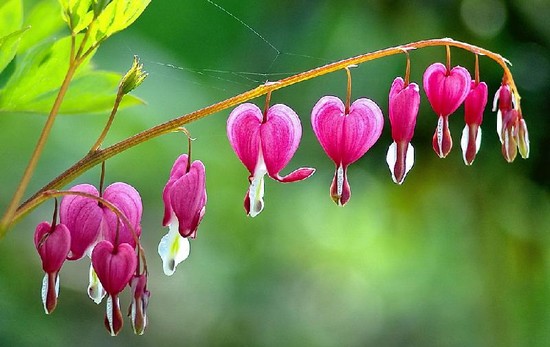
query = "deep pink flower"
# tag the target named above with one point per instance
(345, 137)
(265, 144)
(89, 222)
(446, 90)
(140, 301)
(52, 244)
(184, 199)
(404, 102)
(511, 127)
(114, 266)
(474, 105)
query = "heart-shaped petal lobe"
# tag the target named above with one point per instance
(83, 217)
(243, 131)
(127, 199)
(188, 199)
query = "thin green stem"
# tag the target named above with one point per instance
(92, 159)
(107, 127)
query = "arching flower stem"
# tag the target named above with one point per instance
(96, 157)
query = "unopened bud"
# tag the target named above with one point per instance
(133, 78)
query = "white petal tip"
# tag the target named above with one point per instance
(173, 249)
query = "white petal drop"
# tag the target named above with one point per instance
(256, 194)
(173, 249)
(95, 289)
(499, 126)
(109, 314)
(339, 180)
(45, 291)
(464, 140)
(391, 159)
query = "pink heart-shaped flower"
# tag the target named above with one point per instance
(114, 266)
(446, 89)
(346, 138)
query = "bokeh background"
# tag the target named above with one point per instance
(457, 256)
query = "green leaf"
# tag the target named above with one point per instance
(11, 16)
(44, 20)
(77, 13)
(8, 47)
(93, 91)
(39, 71)
(117, 16)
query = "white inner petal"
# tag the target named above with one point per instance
(95, 289)
(109, 314)
(339, 180)
(440, 134)
(391, 159)
(409, 160)
(256, 189)
(499, 126)
(464, 142)
(173, 249)
(45, 291)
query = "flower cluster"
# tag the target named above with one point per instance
(106, 225)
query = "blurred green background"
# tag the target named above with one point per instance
(457, 256)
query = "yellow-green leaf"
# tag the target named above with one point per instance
(8, 47)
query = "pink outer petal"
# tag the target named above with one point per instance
(362, 128)
(52, 245)
(280, 137)
(114, 266)
(404, 103)
(446, 90)
(475, 103)
(327, 119)
(345, 138)
(243, 131)
(83, 217)
(188, 199)
(178, 170)
(127, 199)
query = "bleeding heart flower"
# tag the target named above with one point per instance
(184, 199)
(89, 222)
(140, 300)
(265, 143)
(345, 137)
(404, 102)
(114, 266)
(446, 89)
(511, 127)
(474, 105)
(52, 244)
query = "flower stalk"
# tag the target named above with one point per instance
(97, 156)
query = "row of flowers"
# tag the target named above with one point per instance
(106, 225)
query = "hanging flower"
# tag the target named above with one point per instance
(184, 199)
(140, 301)
(114, 266)
(52, 244)
(446, 89)
(474, 105)
(511, 127)
(265, 144)
(404, 102)
(345, 135)
(90, 222)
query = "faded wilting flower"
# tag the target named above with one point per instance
(345, 135)
(265, 143)
(446, 89)
(114, 265)
(140, 300)
(89, 222)
(511, 127)
(404, 102)
(474, 105)
(184, 199)
(52, 244)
